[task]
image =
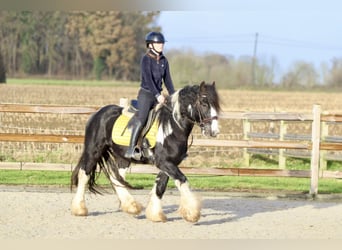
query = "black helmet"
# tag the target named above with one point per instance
(154, 37)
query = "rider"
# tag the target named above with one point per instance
(154, 70)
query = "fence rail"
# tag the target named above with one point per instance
(278, 142)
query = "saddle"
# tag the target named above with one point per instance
(121, 132)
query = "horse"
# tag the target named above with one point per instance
(191, 105)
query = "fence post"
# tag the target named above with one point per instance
(324, 132)
(315, 138)
(282, 132)
(246, 130)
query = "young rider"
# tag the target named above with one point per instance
(154, 71)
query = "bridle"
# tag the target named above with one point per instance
(202, 121)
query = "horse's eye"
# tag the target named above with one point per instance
(205, 104)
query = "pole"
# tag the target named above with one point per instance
(254, 59)
(315, 155)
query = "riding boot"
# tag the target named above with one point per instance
(134, 138)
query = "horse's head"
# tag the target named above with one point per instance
(207, 107)
(197, 104)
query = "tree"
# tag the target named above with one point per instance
(302, 74)
(76, 44)
(9, 39)
(113, 39)
(335, 74)
(2, 69)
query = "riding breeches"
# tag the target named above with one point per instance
(146, 101)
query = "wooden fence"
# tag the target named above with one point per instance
(317, 142)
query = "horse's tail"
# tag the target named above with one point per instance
(92, 185)
(109, 167)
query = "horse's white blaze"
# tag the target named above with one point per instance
(162, 134)
(214, 124)
(154, 210)
(78, 206)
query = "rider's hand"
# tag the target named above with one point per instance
(161, 99)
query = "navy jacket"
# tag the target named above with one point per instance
(155, 70)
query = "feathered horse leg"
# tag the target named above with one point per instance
(154, 211)
(127, 202)
(190, 203)
(78, 206)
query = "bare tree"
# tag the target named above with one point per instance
(334, 78)
(302, 75)
(2, 69)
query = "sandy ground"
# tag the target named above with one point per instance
(44, 213)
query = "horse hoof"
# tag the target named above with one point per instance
(133, 207)
(79, 209)
(159, 217)
(188, 215)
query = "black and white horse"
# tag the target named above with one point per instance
(197, 104)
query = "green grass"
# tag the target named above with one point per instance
(213, 183)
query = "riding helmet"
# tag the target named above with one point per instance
(154, 37)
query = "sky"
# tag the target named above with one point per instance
(288, 31)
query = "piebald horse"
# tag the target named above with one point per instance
(187, 107)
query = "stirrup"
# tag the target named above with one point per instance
(135, 153)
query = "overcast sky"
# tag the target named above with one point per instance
(295, 30)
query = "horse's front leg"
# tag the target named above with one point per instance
(190, 203)
(154, 211)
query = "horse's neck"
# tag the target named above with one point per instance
(185, 127)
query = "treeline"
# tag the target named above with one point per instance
(245, 72)
(109, 45)
(75, 44)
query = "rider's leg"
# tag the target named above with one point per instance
(146, 101)
(134, 138)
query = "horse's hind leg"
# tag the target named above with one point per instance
(78, 206)
(80, 177)
(127, 202)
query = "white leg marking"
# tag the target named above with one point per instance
(190, 204)
(154, 210)
(128, 204)
(78, 206)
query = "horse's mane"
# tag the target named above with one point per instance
(212, 95)
(176, 105)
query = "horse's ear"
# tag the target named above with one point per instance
(213, 84)
(202, 87)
